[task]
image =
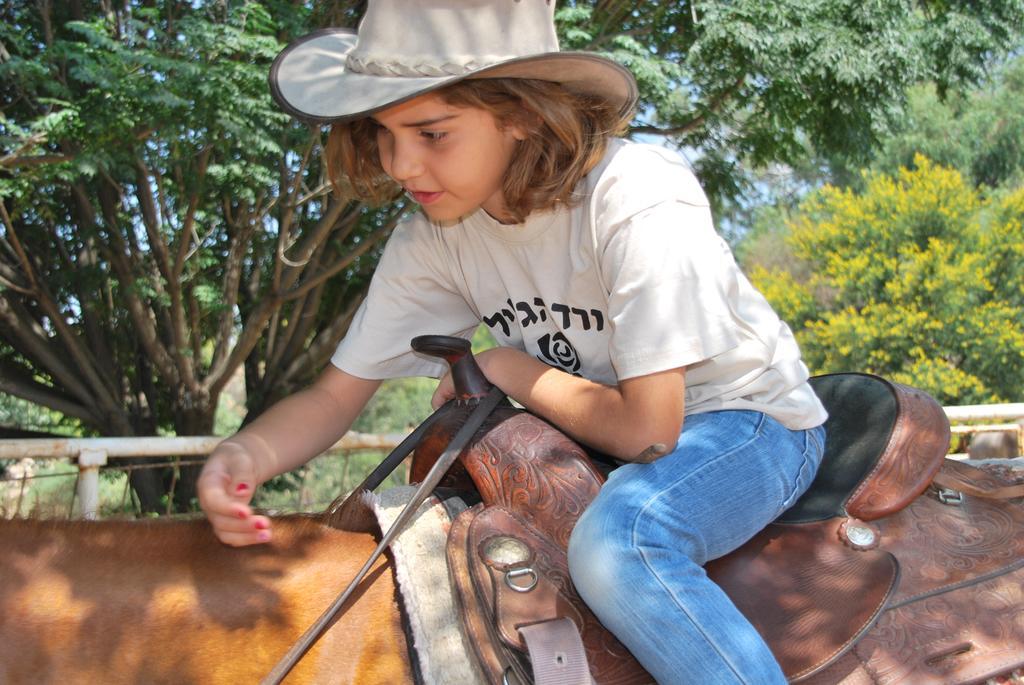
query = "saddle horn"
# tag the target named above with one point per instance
(470, 382)
(471, 386)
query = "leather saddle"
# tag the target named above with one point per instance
(878, 573)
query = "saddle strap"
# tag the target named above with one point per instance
(971, 480)
(556, 653)
(509, 577)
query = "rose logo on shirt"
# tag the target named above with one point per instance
(558, 351)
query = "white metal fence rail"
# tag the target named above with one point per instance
(961, 419)
(93, 453)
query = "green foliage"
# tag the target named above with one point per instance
(916, 278)
(164, 221)
(980, 132)
(16, 412)
(317, 483)
(164, 224)
(398, 406)
(744, 84)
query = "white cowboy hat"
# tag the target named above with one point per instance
(405, 48)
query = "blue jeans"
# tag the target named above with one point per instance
(636, 554)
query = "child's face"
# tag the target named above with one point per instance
(450, 159)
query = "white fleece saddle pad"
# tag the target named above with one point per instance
(444, 655)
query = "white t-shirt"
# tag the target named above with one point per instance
(630, 281)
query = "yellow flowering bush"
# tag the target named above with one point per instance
(918, 278)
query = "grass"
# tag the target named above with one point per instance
(312, 487)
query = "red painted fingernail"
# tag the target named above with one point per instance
(260, 524)
(241, 514)
(242, 487)
(263, 536)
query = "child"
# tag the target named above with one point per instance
(594, 263)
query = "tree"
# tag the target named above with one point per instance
(917, 278)
(979, 132)
(745, 84)
(32, 420)
(164, 224)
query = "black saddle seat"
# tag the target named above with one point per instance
(871, 466)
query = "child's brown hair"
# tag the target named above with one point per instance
(566, 137)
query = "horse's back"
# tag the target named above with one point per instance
(134, 602)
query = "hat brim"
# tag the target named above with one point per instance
(310, 80)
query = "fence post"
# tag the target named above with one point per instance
(89, 463)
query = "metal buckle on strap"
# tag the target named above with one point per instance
(953, 498)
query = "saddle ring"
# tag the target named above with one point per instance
(505, 677)
(512, 575)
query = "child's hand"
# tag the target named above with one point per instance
(226, 485)
(445, 391)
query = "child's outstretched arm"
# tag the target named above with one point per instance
(624, 421)
(285, 436)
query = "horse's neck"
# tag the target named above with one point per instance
(155, 601)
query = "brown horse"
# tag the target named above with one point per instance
(166, 602)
